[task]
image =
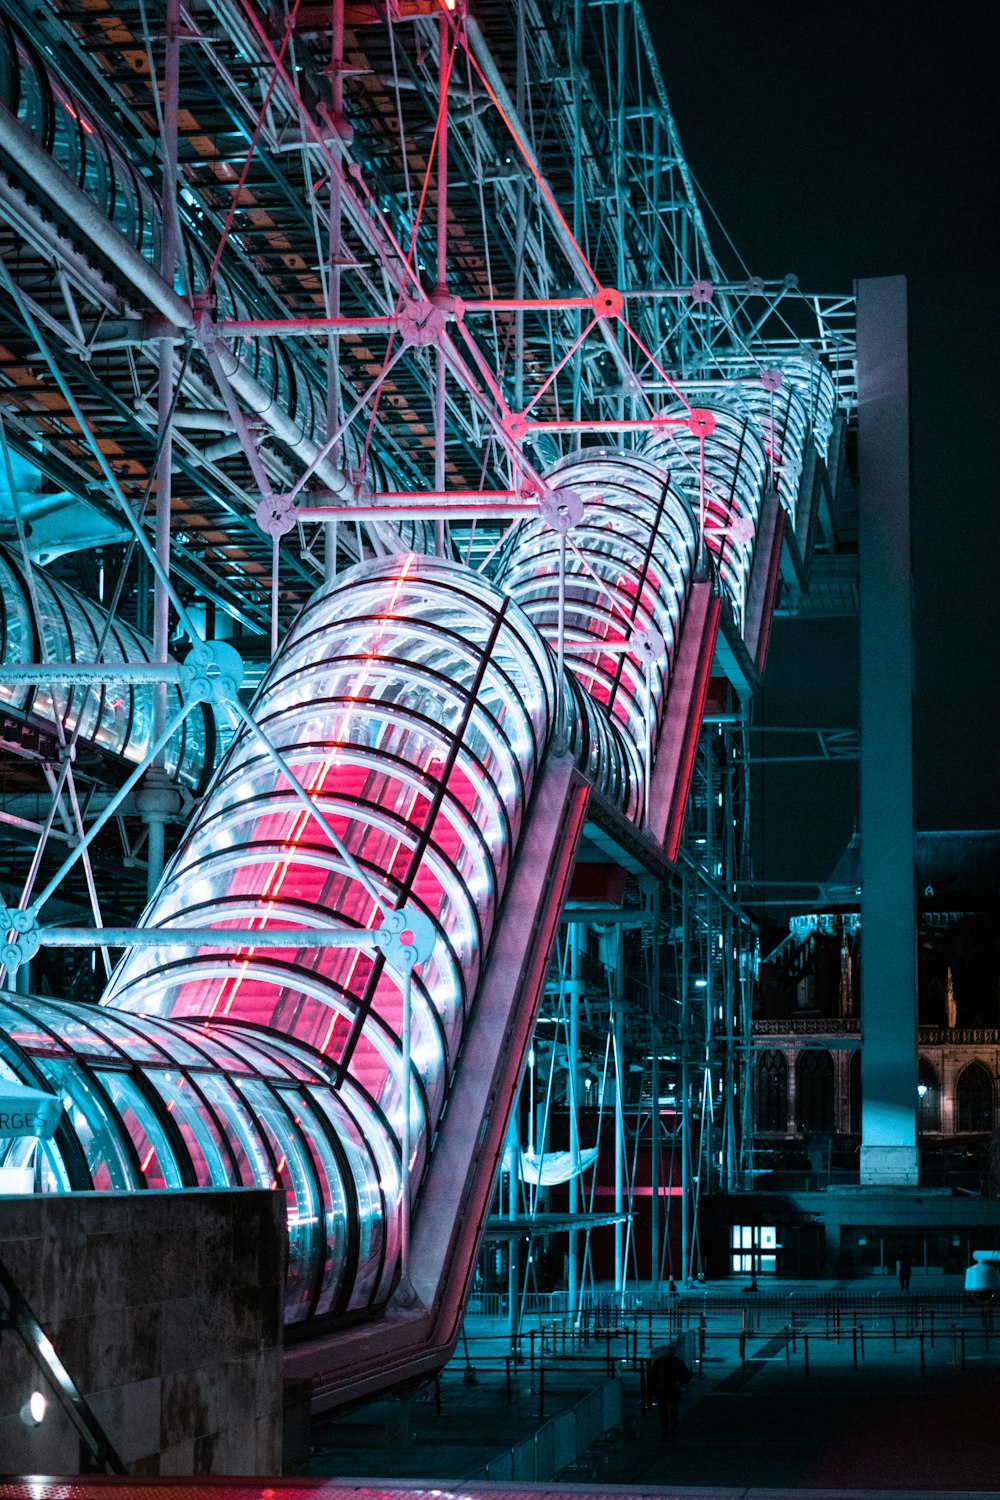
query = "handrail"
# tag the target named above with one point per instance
(96, 1448)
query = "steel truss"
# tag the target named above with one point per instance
(288, 288)
(644, 1041)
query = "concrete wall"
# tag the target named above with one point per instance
(166, 1309)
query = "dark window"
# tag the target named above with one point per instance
(814, 1091)
(974, 1096)
(772, 1092)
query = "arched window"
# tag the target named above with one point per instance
(772, 1092)
(815, 1091)
(974, 1097)
(929, 1091)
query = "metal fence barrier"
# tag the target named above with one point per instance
(559, 1440)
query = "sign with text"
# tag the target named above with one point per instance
(26, 1112)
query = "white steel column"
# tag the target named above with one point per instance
(513, 1178)
(654, 1164)
(685, 1102)
(156, 798)
(573, 1094)
(618, 1024)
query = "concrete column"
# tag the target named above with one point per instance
(888, 907)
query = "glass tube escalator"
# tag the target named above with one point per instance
(629, 564)
(727, 496)
(116, 717)
(413, 703)
(151, 1104)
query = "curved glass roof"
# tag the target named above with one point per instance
(117, 717)
(153, 1103)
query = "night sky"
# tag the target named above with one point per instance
(859, 139)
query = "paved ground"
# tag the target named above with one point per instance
(880, 1424)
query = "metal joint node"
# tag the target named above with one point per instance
(362, 490)
(701, 421)
(608, 303)
(648, 645)
(157, 799)
(515, 425)
(702, 291)
(276, 516)
(420, 323)
(406, 937)
(23, 922)
(561, 509)
(450, 307)
(212, 672)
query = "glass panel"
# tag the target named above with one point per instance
(392, 655)
(99, 1131)
(735, 474)
(18, 636)
(293, 1171)
(97, 182)
(364, 1136)
(253, 1160)
(157, 1160)
(629, 569)
(116, 717)
(31, 1034)
(139, 1038)
(31, 109)
(200, 1133)
(86, 702)
(331, 1186)
(278, 1057)
(253, 1055)
(70, 1025)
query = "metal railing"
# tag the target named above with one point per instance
(667, 1314)
(559, 1440)
(97, 1452)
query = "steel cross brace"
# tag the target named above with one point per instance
(405, 937)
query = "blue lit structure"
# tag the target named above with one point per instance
(116, 718)
(429, 699)
(415, 702)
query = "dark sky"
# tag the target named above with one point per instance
(859, 139)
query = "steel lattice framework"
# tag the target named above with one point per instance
(399, 321)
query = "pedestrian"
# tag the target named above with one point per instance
(668, 1377)
(905, 1259)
